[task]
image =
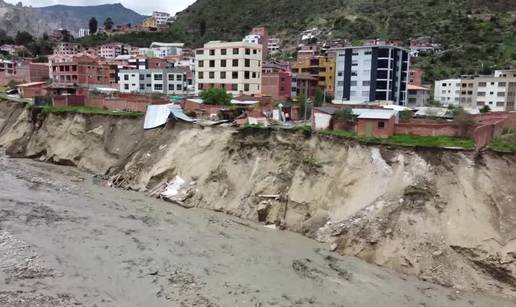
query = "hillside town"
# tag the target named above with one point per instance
(369, 90)
(258, 153)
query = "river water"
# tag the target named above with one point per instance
(66, 241)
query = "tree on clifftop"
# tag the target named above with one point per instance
(93, 25)
(216, 96)
(108, 23)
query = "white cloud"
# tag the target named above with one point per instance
(142, 7)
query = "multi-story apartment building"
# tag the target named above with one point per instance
(416, 77)
(418, 96)
(111, 50)
(22, 71)
(276, 82)
(82, 70)
(320, 68)
(162, 50)
(274, 45)
(161, 17)
(67, 49)
(447, 92)
(371, 73)
(163, 81)
(497, 91)
(234, 66)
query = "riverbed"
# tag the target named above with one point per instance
(66, 240)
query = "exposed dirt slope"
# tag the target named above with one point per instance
(444, 216)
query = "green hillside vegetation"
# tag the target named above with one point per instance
(470, 45)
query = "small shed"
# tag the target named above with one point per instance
(323, 118)
(379, 123)
(32, 89)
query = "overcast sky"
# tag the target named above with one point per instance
(140, 6)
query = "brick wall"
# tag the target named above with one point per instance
(69, 100)
(427, 129)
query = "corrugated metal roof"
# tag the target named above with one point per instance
(374, 113)
(157, 115)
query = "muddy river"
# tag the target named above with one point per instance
(65, 240)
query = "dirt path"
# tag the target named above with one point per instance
(65, 241)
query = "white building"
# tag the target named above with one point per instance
(164, 81)
(161, 17)
(447, 92)
(371, 73)
(162, 50)
(83, 32)
(274, 45)
(111, 50)
(234, 66)
(252, 39)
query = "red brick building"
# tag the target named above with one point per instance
(84, 70)
(23, 71)
(277, 84)
(416, 77)
(33, 89)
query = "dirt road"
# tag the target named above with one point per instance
(65, 241)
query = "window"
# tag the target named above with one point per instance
(142, 87)
(199, 51)
(501, 84)
(179, 87)
(354, 74)
(481, 94)
(234, 75)
(247, 63)
(340, 74)
(368, 52)
(223, 75)
(147, 75)
(501, 94)
(212, 51)
(200, 86)
(171, 87)
(247, 51)
(223, 63)
(255, 51)
(200, 75)
(254, 75)
(148, 85)
(179, 78)
(235, 63)
(381, 125)
(246, 75)
(246, 87)
(212, 75)
(158, 77)
(126, 86)
(236, 51)
(234, 87)
(170, 77)
(500, 103)
(482, 84)
(366, 83)
(142, 77)
(201, 63)
(340, 83)
(158, 87)
(126, 77)
(353, 83)
(212, 63)
(223, 51)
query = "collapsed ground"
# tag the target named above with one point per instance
(444, 216)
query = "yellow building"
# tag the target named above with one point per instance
(150, 23)
(320, 67)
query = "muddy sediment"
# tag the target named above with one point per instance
(448, 217)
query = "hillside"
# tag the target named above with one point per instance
(471, 44)
(14, 18)
(75, 17)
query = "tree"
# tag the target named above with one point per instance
(93, 24)
(217, 96)
(108, 23)
(345, 116)
(406, 115)
(463, 120)
(23, 38)
(202, 27)
(485, 109)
